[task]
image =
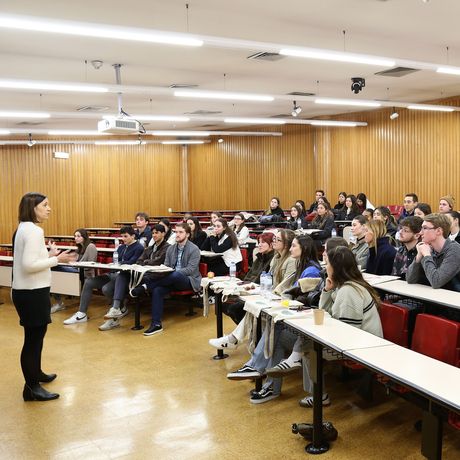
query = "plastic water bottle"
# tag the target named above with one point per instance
(232, 270)
(115, 253)
(333, 232)
(268, 285)
(263, 275)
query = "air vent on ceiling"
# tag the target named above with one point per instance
(182, 86)
(30, 123)
(92, 108)
(300, 93)
(264, 56)
(203, 112)
(397, 72)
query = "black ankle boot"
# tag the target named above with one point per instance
(37, 393)
(46, 378)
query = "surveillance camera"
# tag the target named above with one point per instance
(296, 109)
(394, 115)
(357, 84)
(97, 64)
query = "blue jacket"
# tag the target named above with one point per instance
(146, 235)
(380, 262)
(129, 254)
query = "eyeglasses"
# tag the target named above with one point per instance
(425, 228)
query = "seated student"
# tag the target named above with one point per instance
(383, 213)
(360, 249)
(295, 220)
(381, 252)
(324, 200)
(437, 262)
(184, 258)
(350, 210)
(340, 203)
(152, 255)
(86, 252)
(348, 298)
(318, 194)
(410, 202)
(446, 204)
(324, 221)
(282, 269)
(143, 230)
(170, 236)
(222, 241)
(409, 236)
(260, 264)
(198, 235)
(301, 205)
(187, 216)
(128, 253)
(454, 226)
(422, 210)
(303, 251)
(274, 213)
(213, 217)
(241, 231)
(361, 201)
(368, 213)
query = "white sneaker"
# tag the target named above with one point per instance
(57, 307)
(223, 343)
(76, 318)
(115, 313)
(109, 324)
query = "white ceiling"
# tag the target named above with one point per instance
(404, 29)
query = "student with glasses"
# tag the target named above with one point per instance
(437, 262)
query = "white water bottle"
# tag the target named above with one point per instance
(268, 285)
(115, 253)
(263, 275)
(333, 232)
(232, 270)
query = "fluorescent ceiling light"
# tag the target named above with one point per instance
(61, 155)
(224, 95)
(180, 133)
(347, 102)
(4, 132)
(449, 70)
(182, 142)
(119, 143)
(349, 124)
(159, 118)
(72, 132)
(435, 108)
(337, 56)
(96, 30)
(44, 86)
(7, 114)
(255, 121)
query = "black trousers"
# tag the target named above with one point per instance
(234, 310)
(31, 354)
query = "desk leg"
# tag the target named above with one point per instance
(220, 326)
(137, 317)
(318, 446)
(431, 434)
(258, 381)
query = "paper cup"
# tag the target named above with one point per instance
(318, 316)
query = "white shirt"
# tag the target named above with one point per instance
(31, 263)
(452, 236)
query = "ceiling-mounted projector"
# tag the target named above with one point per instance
(118, 126)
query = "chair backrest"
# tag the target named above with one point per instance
(245, 261)
(347, 233)
(395, 321)
(395, 209)
(438, 338)
(203, 269)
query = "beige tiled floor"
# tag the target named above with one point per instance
(127, 396)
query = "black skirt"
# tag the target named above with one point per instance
(33, 306)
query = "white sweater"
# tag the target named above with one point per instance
(31, 264)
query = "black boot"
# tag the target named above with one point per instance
(37, 393)
(46, 378)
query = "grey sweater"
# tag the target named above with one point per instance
(438, 269)
(361, 253)
(352, 304)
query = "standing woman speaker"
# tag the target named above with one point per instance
(31, 290)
